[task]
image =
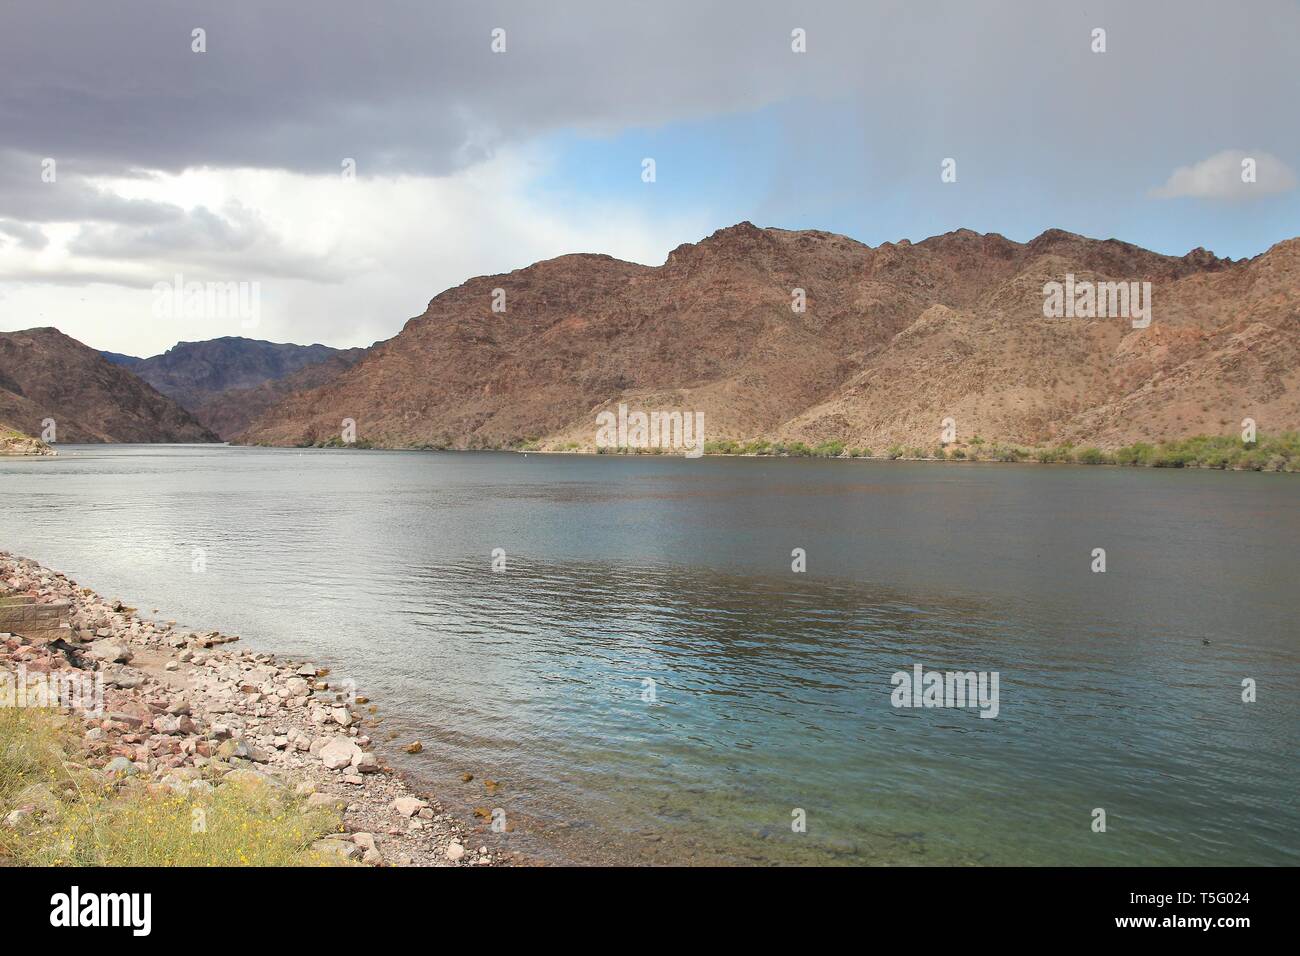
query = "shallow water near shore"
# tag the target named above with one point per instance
(771, 688)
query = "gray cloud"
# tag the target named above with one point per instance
(25, 235)
(25, 195)
(407, 85)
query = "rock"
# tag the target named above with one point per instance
(346, 850)
(370, 850)
(341, 716)
(414, 747)
(18, 817)
(171, 666)
(37, 798)
(408, 806)
(455, 852)
(110, 651)
(247, 775)
(124, 678)
(121, 766)
(166, 725)
(338, 753)
(317, 801)
(365, 762)
(234, 748)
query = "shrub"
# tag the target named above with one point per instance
(1091, 456)
(91, 823)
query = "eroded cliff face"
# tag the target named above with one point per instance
(890, 341)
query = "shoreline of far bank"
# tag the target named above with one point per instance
(1278, 452)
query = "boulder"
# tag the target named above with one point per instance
(317, 801)
(110, 651)
(338, 753)
(408, 806)
(347, 850)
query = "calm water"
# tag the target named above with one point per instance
(772, 688)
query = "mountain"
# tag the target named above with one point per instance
(44, 374)
(893, 340)
(227, 382)
(194, 373)
(232, 411)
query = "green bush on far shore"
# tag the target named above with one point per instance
(1280, 452)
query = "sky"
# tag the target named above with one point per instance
(341, 163)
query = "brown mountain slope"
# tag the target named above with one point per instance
(893, 340)
(44, 374)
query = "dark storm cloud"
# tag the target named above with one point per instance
(405, 86)
(397, 85)
(69, 197)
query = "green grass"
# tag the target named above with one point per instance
(90, 822)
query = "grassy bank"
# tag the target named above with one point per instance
(1279, 452)
(56, 811)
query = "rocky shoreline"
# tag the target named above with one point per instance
(183, 711)
(15, 443)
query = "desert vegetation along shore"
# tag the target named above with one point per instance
(124, 741)
(1267, 453)
(14, 442)
(1278, 453)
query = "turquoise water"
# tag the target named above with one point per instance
(771, 688)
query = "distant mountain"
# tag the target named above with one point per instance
(194, 373)
(232, 411)
(893, 340)
(126, 361)
(221, 380)
(44, 374)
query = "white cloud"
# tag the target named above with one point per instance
(1220, 177)
(339, 262)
